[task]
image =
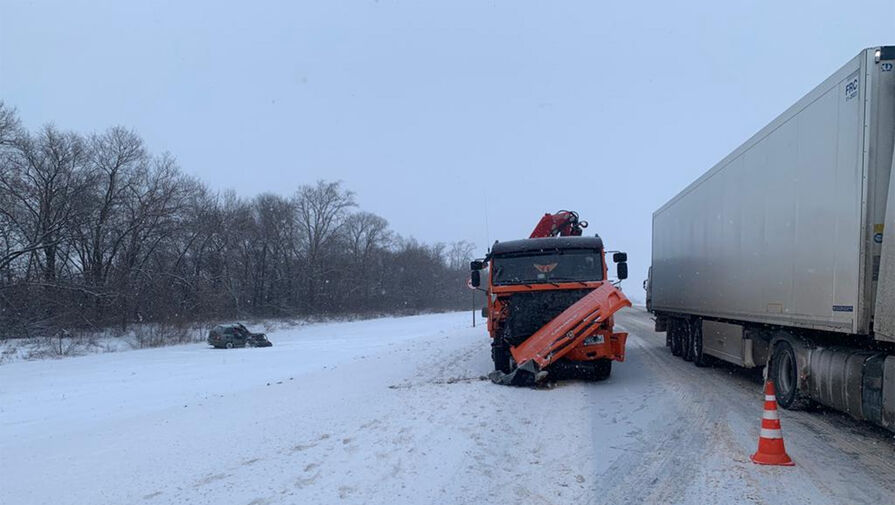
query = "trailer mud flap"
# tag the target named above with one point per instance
(571, 327)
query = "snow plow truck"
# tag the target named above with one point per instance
(550, 304)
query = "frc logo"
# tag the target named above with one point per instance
(851, 89)
(545, 268)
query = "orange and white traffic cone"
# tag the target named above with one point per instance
(770, 442)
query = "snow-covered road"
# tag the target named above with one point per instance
(393, 411)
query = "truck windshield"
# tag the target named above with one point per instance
(556, 266)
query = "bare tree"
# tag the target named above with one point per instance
(320, 211)
(10, 126)
(117, 164)
(13, 242)
(459, 254)
(96, 231)
(45, 181)
(366, 234)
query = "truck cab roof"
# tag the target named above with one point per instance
(536, 245)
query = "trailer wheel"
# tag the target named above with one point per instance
(687, 341)
(500, 354)
(699, 359)
(674, 328)
(785, 374)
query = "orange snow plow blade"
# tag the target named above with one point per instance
(569, 329)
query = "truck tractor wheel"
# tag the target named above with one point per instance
(687, 341)
(602, 369)
(699, 359)
(500, 354)
(229, 345)
(784, 372)
(509, 339)
(674, 328)
(596, 370)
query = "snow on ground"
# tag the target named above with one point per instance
(137, 336)
(393, 411)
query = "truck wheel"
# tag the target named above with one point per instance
(596, 370)
(699, 359)
(229, 345)
(602, 369)
(500, 354)
(509, 339)
(687, 341)
(784, 372)
(674, 328)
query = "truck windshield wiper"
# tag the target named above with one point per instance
(515, 283)
(562, 279)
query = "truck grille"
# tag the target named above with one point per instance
(528, 312)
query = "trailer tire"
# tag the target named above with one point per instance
(699, 359)
(500, 354)
(784, 372)
(686, 341)
(674, 329)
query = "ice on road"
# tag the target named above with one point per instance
(393, 411)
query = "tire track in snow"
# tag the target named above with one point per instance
(726, 401)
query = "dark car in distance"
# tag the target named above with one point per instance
(228, 336)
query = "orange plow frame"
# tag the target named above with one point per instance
(568, 330)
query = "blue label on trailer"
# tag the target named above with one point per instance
(851, 89)
(843, 308)
(878, 238)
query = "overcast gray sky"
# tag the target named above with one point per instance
(453, 120)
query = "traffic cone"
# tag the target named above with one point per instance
(770, 441)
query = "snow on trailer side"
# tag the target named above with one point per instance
(774, 255)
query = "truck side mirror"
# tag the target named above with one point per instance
(621, 270)
(620, 257)
(475, 278)
(476, 265)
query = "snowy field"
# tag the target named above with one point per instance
(393, 411)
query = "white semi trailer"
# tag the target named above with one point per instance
(783, 254)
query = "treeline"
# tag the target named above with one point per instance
(97, 232)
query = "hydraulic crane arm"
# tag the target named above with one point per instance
(563, 223)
